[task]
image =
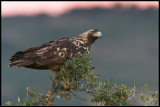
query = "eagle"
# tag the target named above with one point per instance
(52, 55)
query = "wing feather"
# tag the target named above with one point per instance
(49, 54)
(59, 51)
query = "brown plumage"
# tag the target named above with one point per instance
(51, 55)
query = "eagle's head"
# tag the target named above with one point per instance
(91, 36)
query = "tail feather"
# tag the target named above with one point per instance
(17, 56)
(20, 63)
(19, 60)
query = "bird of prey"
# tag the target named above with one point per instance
(52, 55)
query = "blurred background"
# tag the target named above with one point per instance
(128, 51)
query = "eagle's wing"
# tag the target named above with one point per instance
(49, 54)
(59, 51)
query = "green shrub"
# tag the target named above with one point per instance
(77, 75)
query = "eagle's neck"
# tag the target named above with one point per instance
(87, 40)
(83, 38)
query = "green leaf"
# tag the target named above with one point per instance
(92, 67)
(111, 80)
(143, 98)
(51, 78)
(149, 100)
(9, 103)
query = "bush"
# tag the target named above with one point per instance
(77, 75)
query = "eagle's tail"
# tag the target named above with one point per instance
(19, 60)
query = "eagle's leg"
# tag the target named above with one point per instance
(53, 84)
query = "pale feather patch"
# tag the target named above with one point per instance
(19, 61)
(87, 49)
(58, 49)
(60, 53)
(80, 41)
(64, 49)
(78, 44)
(41, 51)
(71, 54)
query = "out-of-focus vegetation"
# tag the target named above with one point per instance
(128, 51)
(77, 75)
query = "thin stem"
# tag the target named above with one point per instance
(79, 97)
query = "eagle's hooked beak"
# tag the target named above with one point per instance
(99, 34)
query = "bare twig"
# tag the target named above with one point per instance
(79, 97)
